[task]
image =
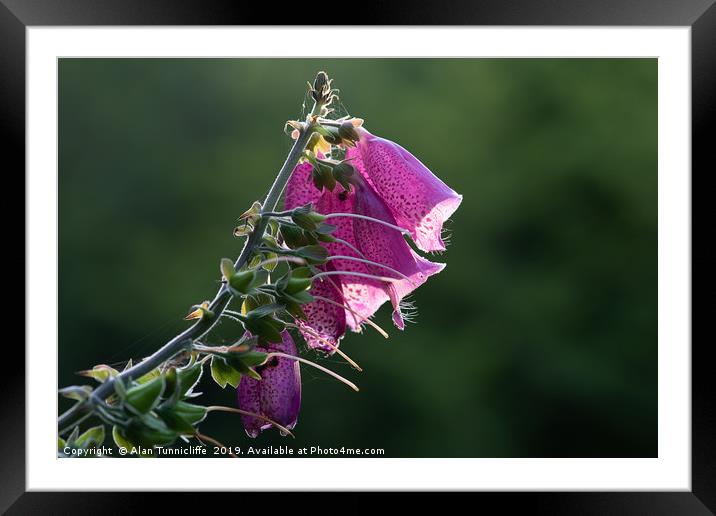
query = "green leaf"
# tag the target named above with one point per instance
(294, 307)
(149, 432)
(191, 413)
(303, 220)
(243, 229)
(151, 375)
(174, 421)
(296, 285)
(325, 229)
(100, 373)
(301, 272)
(120, 389)
(253, 358)
(74, 435)
(265, 310)
(183, 417)
(301, 298)
(189, 376)
(241, 281)
(120, 440)
(266, 328)
(255, 260)
(144, 397)
(223, 373)
(92, 438)
(255, 300)
(344, 174)
(253, 374)
(227, 268)
(76, 392)
(313, 253)
(271, 266)
(260, 278)
(293, 237)
(180, 382)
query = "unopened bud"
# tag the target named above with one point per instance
(320, 81)
(227, 268)
(200, 312)
(252, 213)
(344, 173)
(348, 132)
(240, 282)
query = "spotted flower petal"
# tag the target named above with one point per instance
(300, 189)
(325, 322)
(418, 200)
(363, 295)
(388, 247)
(277, 395)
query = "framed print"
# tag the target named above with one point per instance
(432, 251)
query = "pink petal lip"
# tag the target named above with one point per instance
(419, 200)
(364, 296)
(398, 189)
(388, 247)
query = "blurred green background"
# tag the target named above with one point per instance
(538, 340)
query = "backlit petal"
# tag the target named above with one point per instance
(419, 201)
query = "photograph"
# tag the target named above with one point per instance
(360, 258)
(397, 249)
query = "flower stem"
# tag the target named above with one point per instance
(371, 262)
(184, 340)
(353, 273)
(219, 408)
(288, 213)
(370, 219)
(308, 330)
(313, 364)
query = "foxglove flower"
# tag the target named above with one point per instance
(387, 247)
(277, 396)
(391, 186)
(418, 200)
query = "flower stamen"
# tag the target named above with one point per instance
(271, 261)
(349, 245)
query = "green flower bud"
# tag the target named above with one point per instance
(347, 131)
(144, 397)
(344, 173)
(227, 268)
(240, 282)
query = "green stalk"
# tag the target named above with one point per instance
(185, 339)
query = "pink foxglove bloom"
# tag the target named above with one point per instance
(419, 201)
(277, 396)
(391, 186)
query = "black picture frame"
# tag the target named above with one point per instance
(700, 15)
